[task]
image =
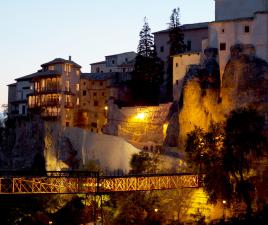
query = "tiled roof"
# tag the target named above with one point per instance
(38, 74)
(193, 26)
(61, 61)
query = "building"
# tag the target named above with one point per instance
(121, 63)
(17, 96)
(239, 22)
(194, 34)
(194, 37)
(181, 63)
(52, 92)
(96, 90)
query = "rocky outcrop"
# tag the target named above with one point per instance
(205, 101)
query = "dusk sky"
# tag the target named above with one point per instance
(36, 31)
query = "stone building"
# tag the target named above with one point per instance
(17, 96)
(52, 92)
(123, 62)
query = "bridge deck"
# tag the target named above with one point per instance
(91, 185)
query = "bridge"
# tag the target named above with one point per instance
(91, 183)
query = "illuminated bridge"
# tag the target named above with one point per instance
(92, 183)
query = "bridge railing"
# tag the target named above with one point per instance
(84, 182)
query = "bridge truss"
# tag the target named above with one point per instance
(93, 184)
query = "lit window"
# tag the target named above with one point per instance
(67, 85)
(77, 101)
(77, 87)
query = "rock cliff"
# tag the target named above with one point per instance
(207, 99)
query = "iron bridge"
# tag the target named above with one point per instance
(91, 183)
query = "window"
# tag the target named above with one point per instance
(67, 85)
(101, 83)
(77, 101)
(77, 72)
(189, 46)
(222, 46)
(246, 29)
(51, 68)
(67, 124)
(96, 103)
(177, 82)
(177, 64)
(23, 110)
(84, 93)
(222, 30)
(95, 94)
(111, 71)
(84, 83)
(93, 124)
(98, 69)
(102, 93)
(77, 87)
(162, 49)
(126, 59)
(112, 61)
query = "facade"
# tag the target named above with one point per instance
(194, 34)
(94, 96)
(97, 89)
(181, 63)
(17, 96)
(235, 9)
(121, 63)
(52, 92)
(248, 31)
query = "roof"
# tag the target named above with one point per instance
(14, 84)
(102, 62)
(185, 27)
(60, 61)
(121, 53)
(38, 74)
(233, 20)
(97, 76)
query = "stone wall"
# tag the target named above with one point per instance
(140, 126)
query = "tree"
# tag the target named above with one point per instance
(176, 36)
(148, 70)
(227, 155)
(177, 46)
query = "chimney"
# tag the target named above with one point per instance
(70, 58)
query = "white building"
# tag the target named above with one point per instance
(122, 63)
(239, 22)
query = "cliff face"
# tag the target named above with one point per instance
(205, 101)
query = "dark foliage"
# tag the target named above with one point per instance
(227, 154)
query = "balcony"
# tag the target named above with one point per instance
(38, 104)
(47, 90)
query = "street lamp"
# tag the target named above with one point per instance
(224, 202)
(156, 210)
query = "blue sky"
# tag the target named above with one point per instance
(37, 31)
